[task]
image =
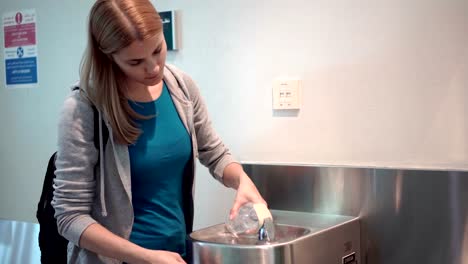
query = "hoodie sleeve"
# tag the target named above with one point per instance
(211, 150)
(74, 185)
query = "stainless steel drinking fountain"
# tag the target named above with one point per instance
(301, 238)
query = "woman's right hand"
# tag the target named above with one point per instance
(162, 257)
(100, 240)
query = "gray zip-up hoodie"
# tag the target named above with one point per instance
(87, 192)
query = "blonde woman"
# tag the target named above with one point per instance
(131, 199)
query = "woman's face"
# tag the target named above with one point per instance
(143, 61)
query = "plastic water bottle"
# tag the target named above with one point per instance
(245, 222)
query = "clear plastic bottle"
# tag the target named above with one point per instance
(246, 221)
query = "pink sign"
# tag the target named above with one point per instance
(20, 35)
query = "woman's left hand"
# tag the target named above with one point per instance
(246, 192)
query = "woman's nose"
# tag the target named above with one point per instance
(152, 66)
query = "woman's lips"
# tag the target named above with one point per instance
(151, 77)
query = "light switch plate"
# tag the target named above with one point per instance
(287, 94)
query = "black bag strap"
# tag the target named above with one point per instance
(105, 132)
(47, 186)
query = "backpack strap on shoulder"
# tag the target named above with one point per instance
(105, 132)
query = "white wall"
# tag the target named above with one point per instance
(385, 84)
(29, 116)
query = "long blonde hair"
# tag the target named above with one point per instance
(113, 25)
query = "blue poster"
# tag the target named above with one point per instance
(21, 71)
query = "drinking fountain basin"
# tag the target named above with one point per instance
(217, 234)
(299, 238)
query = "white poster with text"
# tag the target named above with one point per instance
(20, 49)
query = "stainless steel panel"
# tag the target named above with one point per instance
(18, 242)
(407, 216)
(418, 217)
(329, 190)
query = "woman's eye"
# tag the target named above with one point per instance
(134, 63)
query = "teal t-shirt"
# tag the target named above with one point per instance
(159, 160)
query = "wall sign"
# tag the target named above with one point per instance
(169, 26)
(20, 49)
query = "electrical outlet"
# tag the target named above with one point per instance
(287, 94)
